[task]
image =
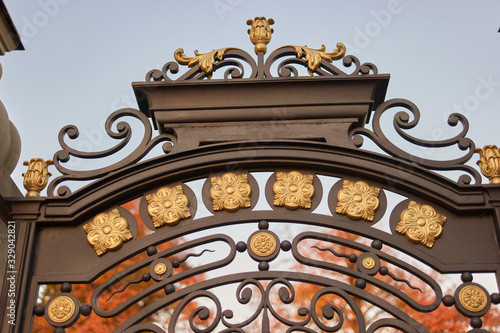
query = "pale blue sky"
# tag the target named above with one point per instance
(81, 56)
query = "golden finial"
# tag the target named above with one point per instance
(260, 33)
(37, 176)
(489, 162)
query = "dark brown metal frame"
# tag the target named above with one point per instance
(315, 137)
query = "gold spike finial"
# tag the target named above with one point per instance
(37, 176)
(260, 33)
(489, 162)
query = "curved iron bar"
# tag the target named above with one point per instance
(145, 328)
(332, 251)
(368, 278)
(161, 284)
(286, 295)
(202, 312)
(393, 323)
(401, 121)
(344, 290)
(395, 278)
(329, 310)
(244, 295)
(124, 132)
(157, 75)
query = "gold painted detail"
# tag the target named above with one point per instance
(473, 298)
(107, 232)
(205, 60)
(230, 192)
(357, 200)
(260, 33)
(37, 176)
(489, 162)
(314, 56)
(263, 244)
(368, 263)
(421, 224)
(61, 309)
(168, 206)
(293, 190)
(160, 268)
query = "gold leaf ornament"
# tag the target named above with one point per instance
(206, 61)
(421, 224)
(314, 56)
(357, 200)
(107, 232)
(230, 192)
(168, 206)
(293, 190)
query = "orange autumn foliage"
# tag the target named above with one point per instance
(95, 324)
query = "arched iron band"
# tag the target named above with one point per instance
(173, 279)
(269, 275)
(357, 274)
(131, 249)
(127, 182)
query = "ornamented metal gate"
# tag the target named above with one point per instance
(275, 158)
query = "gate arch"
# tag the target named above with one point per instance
(246, 152)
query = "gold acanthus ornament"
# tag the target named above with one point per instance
(293, 190)
(168, 206)
(260, 33)
(489, 162)
(314, 56)
(107, 232)
(206, 61)
(357, 200)
(37, 176)
(421, 224)
(230, 192)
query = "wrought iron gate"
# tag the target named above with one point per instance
(257, 166)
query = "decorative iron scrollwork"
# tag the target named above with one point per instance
(402, 122)
(123, 132)
(317, 61)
